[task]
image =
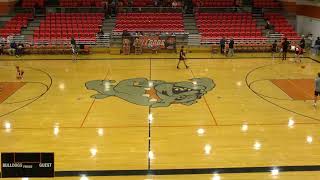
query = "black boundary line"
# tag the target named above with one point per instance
(149, 122)
(143, 172)
(142, 58)
(188, 171)
(275, 104)
(48, 88)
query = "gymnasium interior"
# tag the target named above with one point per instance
(91, 89)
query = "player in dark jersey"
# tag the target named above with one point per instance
(274, 48)
(299, 52)
(285, 46)
(182, 57)
(74, 49)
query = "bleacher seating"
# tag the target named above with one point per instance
(59, 27)
(32, 3)
(81, 3)
(213, 3)
(149, 22)
(266, 4)
(15, 24)
(282, 25)
(214, 26)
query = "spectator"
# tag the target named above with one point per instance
(156, 3)
(1, 49)
(2, 44)
(20, 49)
(231, 47)
(106, 8)
(9, 39)
(274, 48)
(12, 49)
(125, 34)
(222, 45)
(268, 27)
(73, 45)
(309, 39)
(174, 4)
(100, 33)
(317, 46)
(137, 45)
(302, 43)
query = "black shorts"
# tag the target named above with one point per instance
(316, 93)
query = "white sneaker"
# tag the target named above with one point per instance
(314, 104)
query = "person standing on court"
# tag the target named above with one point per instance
(182, 57)
(231, 47)
(285, 46)
(302, 43)
(317, 46)
(274, 49)
(74, 49)
(222, 45)
(316, 89)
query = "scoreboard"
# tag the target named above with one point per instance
(27, 165)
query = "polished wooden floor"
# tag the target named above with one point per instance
(245, 121)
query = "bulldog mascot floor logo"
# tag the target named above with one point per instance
(153, 93)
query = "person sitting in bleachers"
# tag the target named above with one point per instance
(100, 33)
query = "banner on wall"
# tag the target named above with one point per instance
(155, 42)
(159, 42)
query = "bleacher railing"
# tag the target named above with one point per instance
(75, 10)
(150, 9)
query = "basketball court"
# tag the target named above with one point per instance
(141, 118)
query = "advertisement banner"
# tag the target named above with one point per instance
(158, 42)
(149, 42)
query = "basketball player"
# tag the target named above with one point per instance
(74, 49)
(182, 58)
(74, 53)
(285, 46)
(299, 52)
(274, 48)
(316, 89)
(19, 73)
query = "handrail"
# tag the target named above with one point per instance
(149, 9)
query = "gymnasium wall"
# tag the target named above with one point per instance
(6, 6)
(307, 13)
(306, 25)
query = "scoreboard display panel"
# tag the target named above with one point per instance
(27, 165)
